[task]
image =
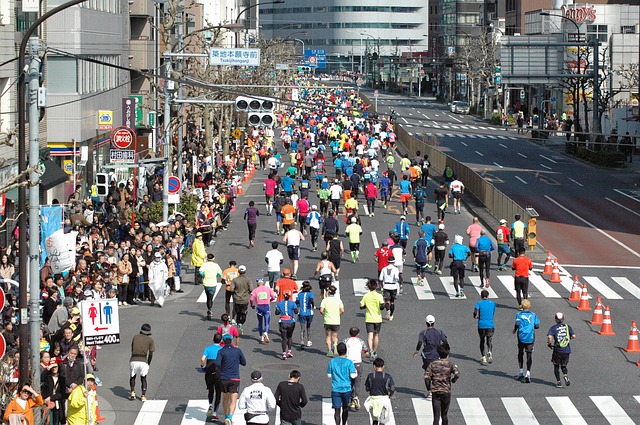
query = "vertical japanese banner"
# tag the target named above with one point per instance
(51, 218)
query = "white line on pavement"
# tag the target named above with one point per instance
(548, 168)
(504, 146)
(576, 182)
(424, 115)
(622, 206)
(522, 181)
(150, 412)
(611, 410)
(519, 411)
(479, 153)
(593, 226)
(464, 143)
(603, 289)
(376, 245)
(522, 155)
(566, 411)
(454, 118)
(548, 159)
(626, 194)
(405, 121)
(498, 165)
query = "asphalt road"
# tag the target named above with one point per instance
(588, 215)
(604, 386)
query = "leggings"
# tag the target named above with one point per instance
(440, 404)
(371, 204)
(439, 258)
(214, 386)
(264, 317)
(484, 261)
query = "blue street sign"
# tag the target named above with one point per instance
(174, 185)
(553, 99)
(315, 58)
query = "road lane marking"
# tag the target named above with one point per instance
(507, 282)
(603, 289)
(404, 119)
(626, 194)
(611, 410)
(479, 153)
(593, 226)
(475, 282)
(424, 115)
(522, 155)
(521, 180)
(566, 411)
(498, 165)
(481, 136)
(360, 287)
(576, 182)
(542, 286)
(423, 410)
(504, 146)
(548, 159)
(626, 284)
(447, 282)
(196, 412)
(203, 297)
(455, 119)
(519, 411)
(374, 237)
(473, 412)
(150, 412)
(464, 143)
(422, 292)
(548, 168)
(327, 411)
(622, 206)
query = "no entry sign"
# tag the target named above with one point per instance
(174, 185)
(122, 137)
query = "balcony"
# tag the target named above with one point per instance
(142, 53)
(141, 8)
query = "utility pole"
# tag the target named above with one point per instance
(33, 49)
(180, 34)
(168, 88)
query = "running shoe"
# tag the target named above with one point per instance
(356, 403)
(388, 316)
(228, 421)
(330, 353)
(240, 328)
(559, 384)
(429, 265)
(143, 397)
(527, 379)
(520, 377)
(391, 318)
(132, 395)
(461, 293)
(289, 353)
(266, 338)
(489, 357)
(262, 338)
(284, 356)
(457, 294)
(486, 283)
(475, 268)
(233, 322)
(293, 276)
(373, 355)
(483, 361)
(429, 395)
(309, 343)
(210, 411)
(438, 272)
(566, 380)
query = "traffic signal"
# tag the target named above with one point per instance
(259, 110)
(102, 182)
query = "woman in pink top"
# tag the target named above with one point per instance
(261, 297)
(474, 231)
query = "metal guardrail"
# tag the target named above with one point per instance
(497, 203)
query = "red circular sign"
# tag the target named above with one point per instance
(3, 346)
(122, 138)
(2, 301)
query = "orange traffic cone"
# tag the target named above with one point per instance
(606, 328)
(246, 174)
(575, 289)
(555, 274)
(596, 319)
(240, 190)
(632, 343)
(547, 265)
(98, 416)
(584, 299)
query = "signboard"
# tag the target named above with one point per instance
(100, 321)
(315, 58)
(451, 50)
(376, 93)
(295, 95)
(234, 57)
(138, 110)
(522, 94)
(122, 156)
(122, 137)
(67, 166)
(236, 133)
(105, 120)
(173, 198)
(128, 106)
(282, 66)
(30, 6)
(498, 79)
(174, 185)
(151, 119)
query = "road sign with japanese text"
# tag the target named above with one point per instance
(100, 321)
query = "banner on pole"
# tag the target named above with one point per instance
(61, 250)
(51, 220)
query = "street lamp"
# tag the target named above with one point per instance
(366, 63)
(251, 7)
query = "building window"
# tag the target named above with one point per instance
(628, 29)
(62, 74)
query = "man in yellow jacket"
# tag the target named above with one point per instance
(198, 255)
(81, 405)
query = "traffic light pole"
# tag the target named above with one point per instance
(167, 142)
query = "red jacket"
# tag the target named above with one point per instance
(370, 191)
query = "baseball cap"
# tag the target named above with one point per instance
(75, 311)
(158, 255)
(198, 234)
(260, 280)
(313, 207)
(227, 337)
(430, 319)
(403, 217)
(353, 219)
(286, 272)
(91, 376)
(242, 269)
(441, 226)
(503, 221)
(256, 376)
(559, 316)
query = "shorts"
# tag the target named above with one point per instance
(230, 385)
(421, 265)
(324, 283)
(269, 199)
(400, 267)
(327, 237)
(390, 294)
(457, 195)
(303, 320)
(560, 359)
(503, 248)
(486, 333)
(294, 252)
(354, 246)
(473, 249)
(373, 327)
(339, 400)
(405, 197)
(138, 368)
(528, 347)
(332, 328)
(426, 363)
(279, 218)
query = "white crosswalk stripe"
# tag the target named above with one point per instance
(360, 287)
(422, 292)
(203, 297)
(603, 289)
(472, 409)
(475, 282)
(626, 284)
(542, 286)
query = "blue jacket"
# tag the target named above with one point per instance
(402, 229)
(484, 244)
(229, 360)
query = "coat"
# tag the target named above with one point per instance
(14, 407)
(199, 253)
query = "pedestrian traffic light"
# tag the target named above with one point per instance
(102, 182)
(259, 110)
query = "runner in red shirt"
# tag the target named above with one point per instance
(382, 256)
(269, 188)
(521, 264)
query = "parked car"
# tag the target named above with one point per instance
(459, 107)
